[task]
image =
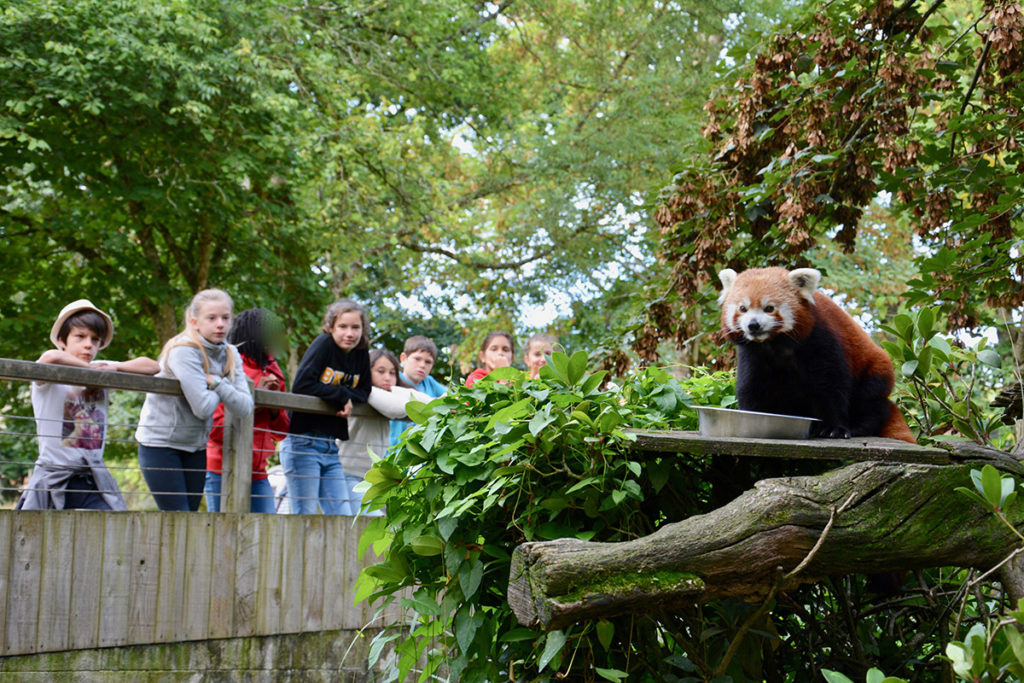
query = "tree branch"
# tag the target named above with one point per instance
(895, 517)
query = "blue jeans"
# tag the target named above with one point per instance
(314, 475)
(354, 499)
(175, 478)
(262, 499)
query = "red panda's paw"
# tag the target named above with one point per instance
(823, 431)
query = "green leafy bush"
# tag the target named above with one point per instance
(946, 385)
(513, 460)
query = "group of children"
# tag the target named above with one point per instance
(324, 457)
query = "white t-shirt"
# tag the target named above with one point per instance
(71, 422)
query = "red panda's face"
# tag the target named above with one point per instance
(761, 303)
(757, 318)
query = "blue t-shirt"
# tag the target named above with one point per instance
(429, 386)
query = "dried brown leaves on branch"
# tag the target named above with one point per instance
(896, 98)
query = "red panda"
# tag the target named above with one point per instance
(798, 353)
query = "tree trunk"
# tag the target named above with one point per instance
(884, 517)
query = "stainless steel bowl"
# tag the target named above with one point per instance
(752, 425)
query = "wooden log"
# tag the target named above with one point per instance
(894, 516)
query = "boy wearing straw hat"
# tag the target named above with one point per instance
(71, 421)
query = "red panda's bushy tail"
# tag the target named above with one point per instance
(896, 427)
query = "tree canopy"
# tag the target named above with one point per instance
(474, 155)
(911, 107)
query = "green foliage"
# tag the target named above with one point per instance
(992, 649)
(146, 151)
(513, 460)
(946, 387)
(873, 676)
(844, 108)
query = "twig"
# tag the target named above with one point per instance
(970, 89)
(821, 539)
(780, 579)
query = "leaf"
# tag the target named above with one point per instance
(517, 635)
(541, 420)
(466, 626)
(577, 367)
(552, 647)
(593, 382)
(505, 373)
(973, 495)
(1016, 643)
(834, 676)
(427, 546)
(909, 368)
(470, 574)
(960, 658)
(990, 358)
(605, 632)
(509, 413)
(904, 326)
(926, 326)
(924, 359)
(941, 345)
(874, 676)
(991, 485)
(611, 674)
(418, 412)
(559, 366)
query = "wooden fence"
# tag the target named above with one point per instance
(81, 579)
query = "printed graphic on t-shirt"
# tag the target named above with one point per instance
(84, 421)
(335, 377)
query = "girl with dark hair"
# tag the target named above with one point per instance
(336, 368)
(367, 434)
(496, 352)
(249, 334)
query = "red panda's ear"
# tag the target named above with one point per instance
(806, 281)
(728, 278)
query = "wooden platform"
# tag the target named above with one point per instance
(861, 448)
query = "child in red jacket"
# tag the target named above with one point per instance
(248, 333)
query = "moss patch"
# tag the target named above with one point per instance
(626, 584)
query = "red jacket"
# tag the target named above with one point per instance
(269, 425)
(476, 376)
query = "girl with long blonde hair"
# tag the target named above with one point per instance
(173, 430)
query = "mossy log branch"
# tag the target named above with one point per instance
(887, 517)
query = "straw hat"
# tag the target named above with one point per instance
(78, 307)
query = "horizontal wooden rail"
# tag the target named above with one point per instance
(856, 449)
(29, 371)
(236, 467)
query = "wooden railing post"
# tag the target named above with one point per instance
(236, 463)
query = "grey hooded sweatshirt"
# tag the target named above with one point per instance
(184, 423)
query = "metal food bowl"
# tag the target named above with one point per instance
(752, 425)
